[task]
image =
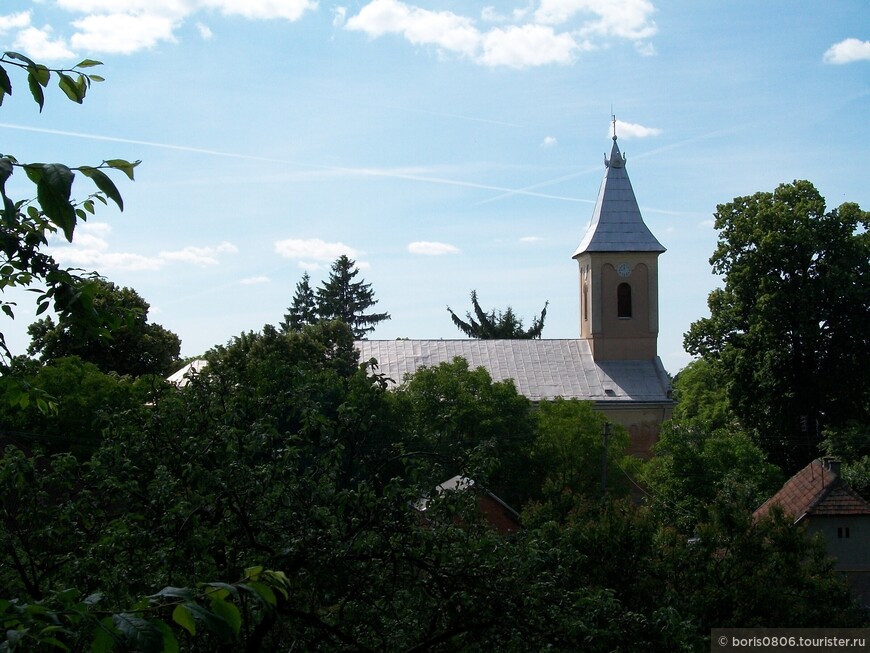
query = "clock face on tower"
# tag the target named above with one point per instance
(623, 270)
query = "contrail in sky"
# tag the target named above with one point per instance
(371, 172)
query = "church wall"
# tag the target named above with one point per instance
(643, 423)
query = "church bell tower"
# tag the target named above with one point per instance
(618, 259)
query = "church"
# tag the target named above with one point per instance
(614, 362)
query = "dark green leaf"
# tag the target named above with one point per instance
(228, 612)
(5, 83)
(262, 591)
(139, 633)
(5, 169)
(53, 193)
(174, 592)
(104, 636)
(72, 90)
(124, 166)
(183, 616)
(170, 642)
(213, 623)
(36, 91)
(41, 73)
(230, 589)
(54, 642)
(104, 183)
(20, 57)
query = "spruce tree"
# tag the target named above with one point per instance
(342, 298)
(497, 325)
(303, 310)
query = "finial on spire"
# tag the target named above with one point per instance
(613, 116)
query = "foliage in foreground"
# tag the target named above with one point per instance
(26, 224)
(285, 455)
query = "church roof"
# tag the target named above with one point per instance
(540, 369)
(816, 490)
(617, 225)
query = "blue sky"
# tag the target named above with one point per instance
(445, 146)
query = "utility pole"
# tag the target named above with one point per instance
(604, 460)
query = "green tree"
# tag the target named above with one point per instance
(701, 395)
(303, 310)
(695, 467)
(466, 423)
(126, 342)
(568, 450)
(26, 224)
(84, 402)
(342, 298)
(497, 324)
(850, 445)
(285, 454)
(793, 319)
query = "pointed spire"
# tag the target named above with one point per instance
(617, 225)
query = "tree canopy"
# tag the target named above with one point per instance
(339, 298)
(284, 499)
(125, 343)
(497, 324)
(789, 333)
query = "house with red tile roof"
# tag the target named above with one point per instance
(818, 497)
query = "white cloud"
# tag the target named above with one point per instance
(122, 33)
(339, 16)
(91, 250)
(443, 29)
(127, 26)
(529, 45)
(176, 9)
(428, 248)
(645, 49)
(253, 281)
(629, 130)
(201, 256)
(204, 31)
(848, 51)
(549, 141)
(524, 41)
(313, 249)
(492, 15)
(261, 9)
(629, 19)
(39, 44)
(14, 21)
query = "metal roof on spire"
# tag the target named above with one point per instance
(617, 225)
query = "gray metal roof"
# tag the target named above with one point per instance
(617, 225)
(540, 369)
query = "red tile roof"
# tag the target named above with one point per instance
(816, 491)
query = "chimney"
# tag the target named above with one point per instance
(833, 465)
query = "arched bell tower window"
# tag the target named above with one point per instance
(623, 300)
